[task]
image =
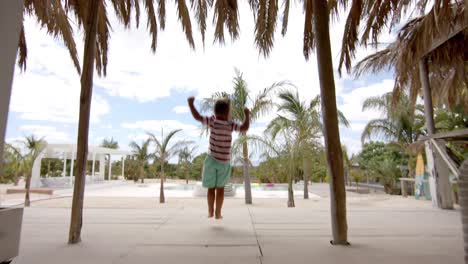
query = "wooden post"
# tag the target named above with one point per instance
(76, 219)
(246, 172)
(11, 15)
(441, 198)
(330, 122)
(71, 167)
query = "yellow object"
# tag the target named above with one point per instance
(419, 165)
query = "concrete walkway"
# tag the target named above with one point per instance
(382, 229)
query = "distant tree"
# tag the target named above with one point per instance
(34, 147)
(141, 155)
(164, 152)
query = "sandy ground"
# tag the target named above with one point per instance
(123, 229)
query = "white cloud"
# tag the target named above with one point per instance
(352, 101)
(158, 126)
(182, 109)
(358, 127)
(352, 144)
(50, 133)
(37, 96)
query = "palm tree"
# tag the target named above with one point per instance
(34, 147)
(185, 160)
(303, 123)
(163, 153)
(110, 143)
(15, 161)
(141, 155)
(284, 153)
(316, 35)
(240, 98)
(400, 124)
(92, 16)
(445, 74)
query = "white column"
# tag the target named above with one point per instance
(11, 15)
(71, 167)
(92, 171)
(110, 168)
(123, 166)
(102, 164)
(64, 164)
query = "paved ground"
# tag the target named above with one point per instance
(382, 229)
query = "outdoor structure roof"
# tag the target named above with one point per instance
(52, 148)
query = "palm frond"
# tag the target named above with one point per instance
(184, 18)
(309, 35)
(201, 12)
(22, 50)
(262, 104)
(162, 13)
(350, 35)
(380, 103)
(277, 125)
(226, 15)
(52, 16)
(178, 147)
(102, 40)
(167, 139)
(152, 24)
(381, 129)
(154, 139)
(266, 25)
(284, 28)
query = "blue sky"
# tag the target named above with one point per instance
(147, 92)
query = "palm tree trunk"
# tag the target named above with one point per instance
(247, 185)
(161, 188)
(16, 179)
(27, 201)
(83, 123)
(306, 170)
(142, 169)
(330, 121)
(290, 193)
(109, 176)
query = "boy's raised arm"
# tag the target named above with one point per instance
(246, 124)
(194, 110)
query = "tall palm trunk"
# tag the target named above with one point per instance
(186, 174)
(16, 179)
(27, 201)
(109, 166)
(290, 192)
(142, 170)
(330, 121)
(83, 123)
(306, 168)
(161, 187)
(247, 184)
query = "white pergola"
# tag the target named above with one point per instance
(68, 152)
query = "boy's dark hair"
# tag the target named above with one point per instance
(221, 107)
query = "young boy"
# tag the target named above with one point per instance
(217, 165)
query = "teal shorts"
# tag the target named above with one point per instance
(215, 173)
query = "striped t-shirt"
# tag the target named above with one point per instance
(220, 137)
